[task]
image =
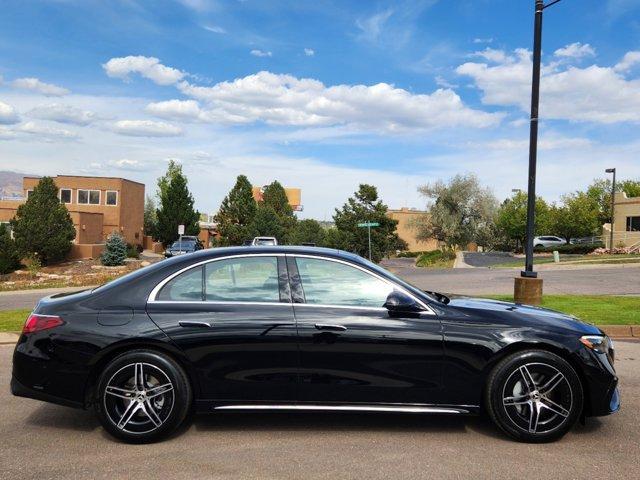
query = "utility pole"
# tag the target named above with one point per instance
(528, 288)
(613, 206)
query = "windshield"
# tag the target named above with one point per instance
(183, 244)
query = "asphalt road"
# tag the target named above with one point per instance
(577, 280)
(43, 441)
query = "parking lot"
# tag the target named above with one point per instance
(47, 441)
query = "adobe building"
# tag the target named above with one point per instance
(98, 206)
(294, 196)
(626, 222)
(406, 229)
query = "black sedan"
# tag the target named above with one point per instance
(302, 328)
(183, 246)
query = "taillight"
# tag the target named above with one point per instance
(37, 323)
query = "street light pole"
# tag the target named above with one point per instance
(613, 205)
(531, 291)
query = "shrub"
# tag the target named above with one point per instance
(579, 249)
(436, 258)
(34, 265)
(115, 251)
(132, 251)
(9, 257)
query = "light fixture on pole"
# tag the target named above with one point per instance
(613, 205)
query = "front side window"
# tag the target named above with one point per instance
(332, 283)
(244, 279)
(186, 287)
(65, 195)
(633, 224)
(112, 198)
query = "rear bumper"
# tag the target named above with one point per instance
(20, 390)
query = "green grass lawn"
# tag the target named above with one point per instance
(598, 309)
(436, 259)
(13, 320)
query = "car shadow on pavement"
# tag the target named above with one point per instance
(66, 418)
(340, 422)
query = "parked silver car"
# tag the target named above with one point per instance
(548, 241)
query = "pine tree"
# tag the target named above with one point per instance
(266, 223)
(115, 250)
(150, 217)
(176, 206)
(308, 231)
(365, 206)
(275, 197)
(9, 257)
(236, 214)
(42, 225)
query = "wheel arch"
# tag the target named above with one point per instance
(99, 362)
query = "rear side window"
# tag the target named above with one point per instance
(186, 287)
(245, 279)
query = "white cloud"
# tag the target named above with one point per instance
(148, 67)
(146, 128)
(6, 133)
(593, 94)
(483, 40)
(371, 27)
(8, 114)
(175, 109)
(215, 29)
(35, 85)
(575, 50)
(309, 52)
(286, 100)
(63, 114)
(126, 164)
(256, 52)
(493, 55)
(45, 132)
(629, 60)
(552, 143)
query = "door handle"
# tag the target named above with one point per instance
(192, 324)
(333, 328)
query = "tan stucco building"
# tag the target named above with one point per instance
(294, 195)
(407, 231)
(626, 222)
(98, 206)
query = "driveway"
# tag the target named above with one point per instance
(47, 441)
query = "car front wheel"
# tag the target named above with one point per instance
(142, 396)
(534, 396)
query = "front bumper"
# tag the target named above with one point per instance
(602, 396)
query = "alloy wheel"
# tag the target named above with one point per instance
(537, 398)
(138, 398)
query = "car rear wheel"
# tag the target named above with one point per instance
(534, 396)
(142, 396)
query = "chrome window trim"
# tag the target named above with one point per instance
(427, 309)
(158, 287)
(152, 296)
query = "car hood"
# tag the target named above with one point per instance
(518, 314)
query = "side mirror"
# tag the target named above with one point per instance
(399, 302)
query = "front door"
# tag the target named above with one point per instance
(233, 319)
(351, 349)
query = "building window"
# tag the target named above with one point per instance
(65, 195)
(633, 224)
(29, 192)
(112, 198)
(8, 227)
(89, 197)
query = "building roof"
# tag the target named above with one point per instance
(89, 176)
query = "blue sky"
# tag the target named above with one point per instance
(322, 95)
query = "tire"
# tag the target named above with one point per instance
(534, 396)
(147, 410)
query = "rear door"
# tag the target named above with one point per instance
(351, 349)
(234, 320)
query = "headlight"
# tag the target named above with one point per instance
(597, 343)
